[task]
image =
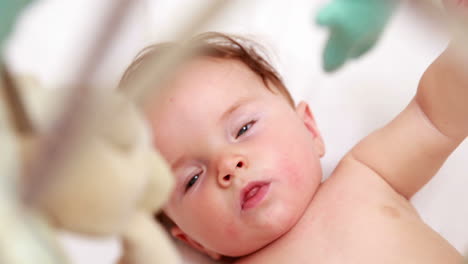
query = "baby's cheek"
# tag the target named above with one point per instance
(288, 167)
(213, 213)
(301, 172)
(231, 231)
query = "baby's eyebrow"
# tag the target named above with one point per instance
(240, 102)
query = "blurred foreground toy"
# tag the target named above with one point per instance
(114, 184)
(111, 185)
(355, 27)
(8, 11)
(25, 237)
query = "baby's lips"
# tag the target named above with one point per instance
(246, 195)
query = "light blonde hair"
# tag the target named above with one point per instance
(217, 45)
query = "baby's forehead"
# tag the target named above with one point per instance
(211, 78)
(205, 71)
(203, 81)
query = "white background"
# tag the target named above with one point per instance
(52, 36)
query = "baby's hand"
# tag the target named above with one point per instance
(457, 11)
(355, 26)
(456, 5)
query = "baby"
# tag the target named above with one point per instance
(247, 163)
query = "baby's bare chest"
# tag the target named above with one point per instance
(359, 223)
(376, 232)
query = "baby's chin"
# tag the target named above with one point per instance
(274, 219)
(279, 224)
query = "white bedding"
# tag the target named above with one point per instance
(348, 105)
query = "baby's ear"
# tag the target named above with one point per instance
(181, 235)
(304, 112)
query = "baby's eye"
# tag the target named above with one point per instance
(192, 181)
(245, 128)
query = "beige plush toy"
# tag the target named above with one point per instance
(113, 182)
(24, 236)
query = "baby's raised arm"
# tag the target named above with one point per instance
(408, 151)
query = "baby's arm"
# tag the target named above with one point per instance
(408, 151)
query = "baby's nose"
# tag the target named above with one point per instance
(229, 169)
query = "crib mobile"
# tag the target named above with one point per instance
(79, 175)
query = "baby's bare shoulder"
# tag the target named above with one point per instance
(355, 185)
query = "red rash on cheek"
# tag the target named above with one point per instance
(288, 168)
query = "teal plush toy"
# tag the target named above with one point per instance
(9, 9)
(355, 27)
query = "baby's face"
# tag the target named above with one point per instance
(246, 162)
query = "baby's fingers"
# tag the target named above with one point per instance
(457, 15)
(455, 3)
(457, 9)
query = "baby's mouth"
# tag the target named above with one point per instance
(253, 194)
